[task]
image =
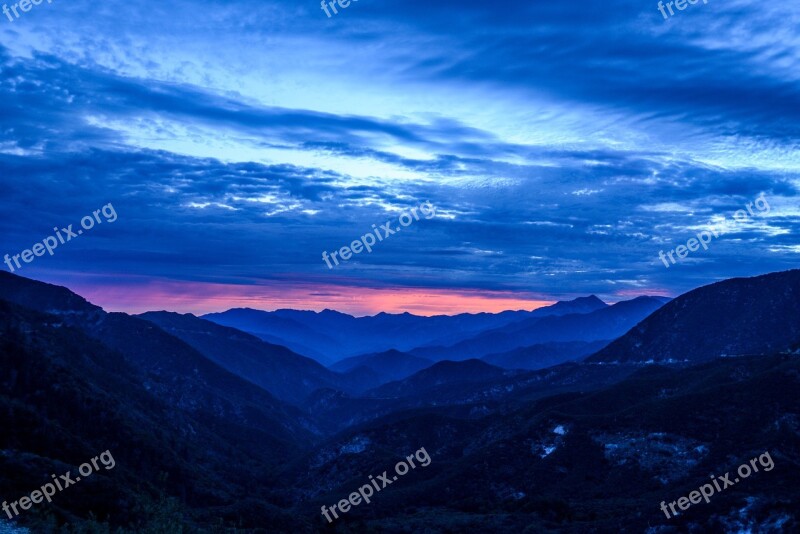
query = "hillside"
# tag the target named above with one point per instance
(593, 462)
(66, 397)
(438, 375)
(544, 355)
(289, 376)
(390, 365)
(758, 315)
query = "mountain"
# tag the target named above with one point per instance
(188, 456)
(758, 315)
(588, 446)
(330, 336)
(579, 305)
(438, 375)
(168, 368)
(599, 461)
(287, 375)
(544, 354)
(606, 323)
(389, 366)
(46, 298)
(478, 397)
(279, 330)
(568, 307)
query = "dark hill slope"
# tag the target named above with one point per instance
(285, 374)
(593, 462)
(738, 316)
(66, 398)
(389, 365)
(441, 374)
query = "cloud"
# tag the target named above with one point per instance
(562, 148)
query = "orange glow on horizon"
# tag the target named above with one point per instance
(133, 295)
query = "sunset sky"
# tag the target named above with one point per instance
(563, 145)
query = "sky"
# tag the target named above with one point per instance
(563, 145)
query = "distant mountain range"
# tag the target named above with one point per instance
(289, 376)
(330, 336)
(608, 322)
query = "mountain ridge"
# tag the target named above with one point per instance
(606, 323)
(289, 376)
(331, 336)
(723, 318)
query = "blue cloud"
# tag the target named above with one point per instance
(563, 147)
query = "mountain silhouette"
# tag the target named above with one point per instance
(211, 425)
(329, 336)
(389, 365)
(759, 315)
(289, 376)
(606, 323)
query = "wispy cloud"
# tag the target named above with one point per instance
(562, 147)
